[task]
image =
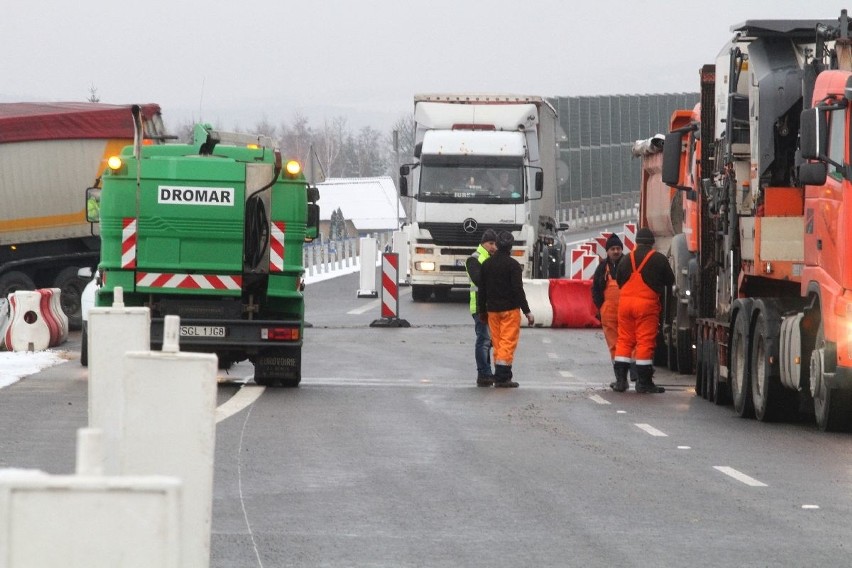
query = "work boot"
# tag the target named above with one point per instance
(645, 384)
(634, 374)
(621, 369)
(484, 380)
(503, 377)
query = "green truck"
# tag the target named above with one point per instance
(212, 232)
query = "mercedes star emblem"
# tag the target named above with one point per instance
(469, 225)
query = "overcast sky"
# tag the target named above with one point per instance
(238, 62)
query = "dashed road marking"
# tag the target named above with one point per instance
(684, 448)
(810, 506)
(599, 399)
(739, 476)
(651, 430)
(567, 374)
(552, 356)
(546, 340)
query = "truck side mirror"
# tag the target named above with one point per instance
(404, 170)
(539, 181)
(313, 195)
(403, 186)
(671, 174)
(813, 134)
(313, 221)
(93, 204)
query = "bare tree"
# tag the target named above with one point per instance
(93, 95)
(296, 139)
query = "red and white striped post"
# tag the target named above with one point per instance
(390, 293)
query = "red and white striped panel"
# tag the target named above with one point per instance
(390, 285)
(600, 245)
(188, 281)
(629, 237)
(577, 264)
(276, 246)
(128, 242)
(590, 264)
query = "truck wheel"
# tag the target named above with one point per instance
(738, 372)
(684, 351)
(832, 407)
(712, 374)
(84, 346)
(771, 401)
(721, 390)
(71, 290)
(14, 281)
(700, 364)
(420, 293)
(442, 293)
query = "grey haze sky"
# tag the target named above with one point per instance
(237, 63)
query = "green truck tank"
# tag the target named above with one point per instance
(212, 232)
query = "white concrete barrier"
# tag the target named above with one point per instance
(112, 331)
(28, 329)
(367, 287)
(69, 521)
(538, 297)
(169, 402)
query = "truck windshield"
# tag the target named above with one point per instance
(465, 183)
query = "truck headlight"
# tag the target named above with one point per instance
(425, 266)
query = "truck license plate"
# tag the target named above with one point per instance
(202, 331)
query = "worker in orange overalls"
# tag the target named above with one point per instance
(500, 301)
(605, 291)
(643, 276)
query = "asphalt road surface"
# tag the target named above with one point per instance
(389, 455)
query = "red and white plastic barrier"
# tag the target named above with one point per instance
(562, 302)
(35, 321)
(572, 304)
(538, 297)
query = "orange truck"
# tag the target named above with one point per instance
(764, 264)
(49, 154)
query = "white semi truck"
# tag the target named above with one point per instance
(484, 162)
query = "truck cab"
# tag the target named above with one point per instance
(480, 167)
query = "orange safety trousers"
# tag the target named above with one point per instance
(609, 311)
(638, 318)
(505, 330)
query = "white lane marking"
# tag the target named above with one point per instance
(374, 305)
(599, 399)
(240, 483)
(739, 476)
(810, 506)
(244, 397)
(651, 430)
(416, 382)
(567, 374)
(684, 448)
(546, 340)
(621, 412)
(552, 356)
